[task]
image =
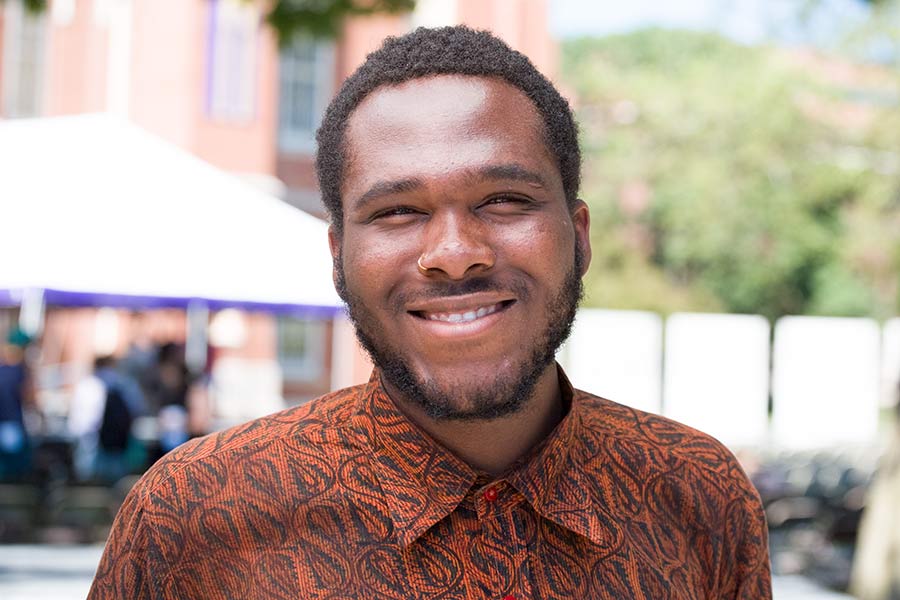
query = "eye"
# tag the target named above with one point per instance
(394, 212)
(506, 201)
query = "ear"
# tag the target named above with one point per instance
(334, 244)
(581, 219)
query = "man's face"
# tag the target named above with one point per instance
(459, 260)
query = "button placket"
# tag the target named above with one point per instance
(496, 503)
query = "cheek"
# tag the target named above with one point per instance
(542, 245)
(376, 262)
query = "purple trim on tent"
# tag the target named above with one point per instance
(66, 298)
(10, 298)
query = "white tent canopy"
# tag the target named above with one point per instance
(95, 211)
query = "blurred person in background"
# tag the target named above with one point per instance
(103, 408)
(170, 388)
(141, 358)
(168, 385)
(15, 394)
(876, 565)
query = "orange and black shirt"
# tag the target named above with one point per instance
(344, 497)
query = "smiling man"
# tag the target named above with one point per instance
(467, 467)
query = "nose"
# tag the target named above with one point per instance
(455, 247)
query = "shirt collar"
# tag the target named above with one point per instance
(425, 482)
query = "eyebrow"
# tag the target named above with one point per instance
(506, 172)
(510, 171)
(387, 188)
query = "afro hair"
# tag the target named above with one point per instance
(455, 50)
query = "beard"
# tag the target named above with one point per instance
(508, 391)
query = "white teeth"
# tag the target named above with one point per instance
(465, 317)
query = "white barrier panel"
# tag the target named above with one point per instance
(825, 381)
(717, 375)
(617, 354)
(890, 363)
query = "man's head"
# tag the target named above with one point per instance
(444, 51)
(458, 239)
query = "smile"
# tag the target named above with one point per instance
(461, 312)
(462, 317)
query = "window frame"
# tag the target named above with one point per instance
(303, 141)
(14, 18)
(232, 67)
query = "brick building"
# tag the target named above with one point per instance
(208, 76)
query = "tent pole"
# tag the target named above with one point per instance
(197, 336)
(31, 312)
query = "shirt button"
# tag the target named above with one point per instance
(490, 495)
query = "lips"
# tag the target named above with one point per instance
(461, 310)
(462, 317)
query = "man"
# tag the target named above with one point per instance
(876, 562)
(16, 391)
(104, 405)
(467, 467)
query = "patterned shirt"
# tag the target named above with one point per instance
(346, 498)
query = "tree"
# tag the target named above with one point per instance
(756, 189)
(322, 18)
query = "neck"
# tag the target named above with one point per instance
(493, 446)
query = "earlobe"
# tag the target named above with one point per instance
(581, 219)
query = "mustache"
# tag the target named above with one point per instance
(450, 289)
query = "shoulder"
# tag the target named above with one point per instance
(664, 453)
(680, 485)
(238, 488)
(316, 430)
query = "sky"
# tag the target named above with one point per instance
(747, 21)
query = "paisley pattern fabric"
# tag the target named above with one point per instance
(346, 498)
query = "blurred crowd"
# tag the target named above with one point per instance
(63, 481)
(122, 414)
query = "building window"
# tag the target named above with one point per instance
(232, 60)
(301, 349)
(306, 77)
(24, 60)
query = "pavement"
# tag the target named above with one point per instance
(30, 572)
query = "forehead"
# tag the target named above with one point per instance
(436, 124)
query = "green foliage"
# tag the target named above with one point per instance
(754, 193)
(322, 18)
(33, 6)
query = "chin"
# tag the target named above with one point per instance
(484, 393)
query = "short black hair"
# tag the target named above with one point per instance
(455, 50)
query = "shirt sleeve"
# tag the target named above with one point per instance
(746, 572)
(124, 570)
